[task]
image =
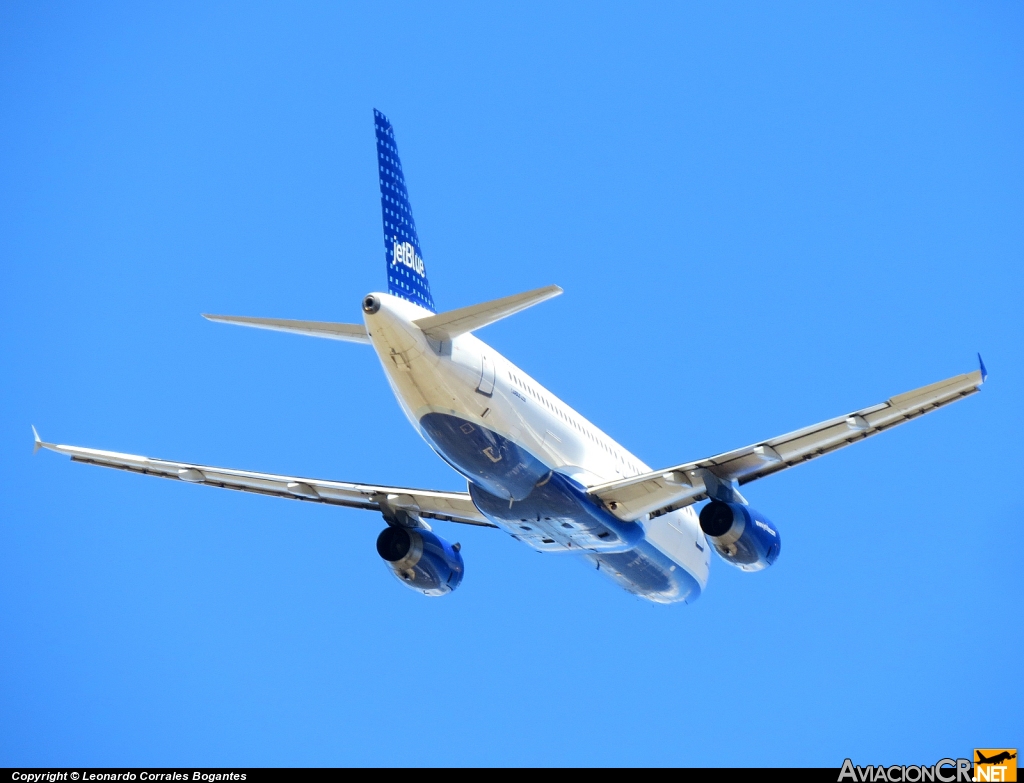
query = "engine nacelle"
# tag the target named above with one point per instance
(743, 537)
(421, 560)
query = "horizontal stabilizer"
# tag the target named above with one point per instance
(352, 333)
(445, 326)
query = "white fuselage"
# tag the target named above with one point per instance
(465, 379)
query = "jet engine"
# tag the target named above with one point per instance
(743, 537)
(420, 559)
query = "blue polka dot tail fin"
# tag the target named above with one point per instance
(407, 276)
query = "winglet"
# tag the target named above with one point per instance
(38, 441)
(981, 366)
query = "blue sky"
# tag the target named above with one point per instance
(763, 215)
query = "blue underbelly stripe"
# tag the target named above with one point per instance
(552, 512)
(495, 463)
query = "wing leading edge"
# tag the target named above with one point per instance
(682, 485)
(424, 503)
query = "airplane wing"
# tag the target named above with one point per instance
(424, 503)
(682, 485)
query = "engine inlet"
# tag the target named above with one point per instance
(716, 518)
(394, 543)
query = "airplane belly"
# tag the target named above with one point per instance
(558, 517)
(555, 514)
(496, 463)
(649, 573)
(678, 535)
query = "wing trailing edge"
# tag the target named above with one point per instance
(682, 485)
(422, 503)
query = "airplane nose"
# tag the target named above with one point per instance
(371, 304)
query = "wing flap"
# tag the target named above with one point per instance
(682, 485)
(429, 504)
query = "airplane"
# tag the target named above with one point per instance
(535, 468)
(996, 759)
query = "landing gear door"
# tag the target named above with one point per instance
(486, 385)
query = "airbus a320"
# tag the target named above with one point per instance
(535, 468)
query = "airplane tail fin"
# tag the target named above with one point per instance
(407, 277)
